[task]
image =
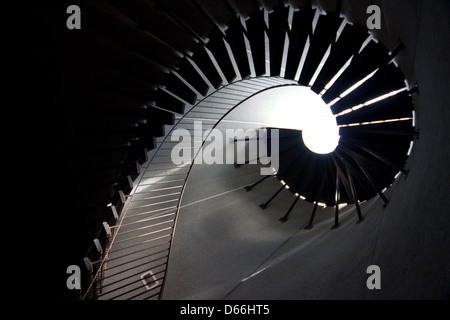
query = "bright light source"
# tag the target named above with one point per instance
(321, 133)
(302, 60)
(359, 106)
(366, 42)
(373, 122)
(333, 80)
(333, 102)
(296, 108)
(342, 205)
(319, 69)
(356, 85)
(315, 20)
(410, 148)
(367, 103)
(341, 28)
(321, 141)
(344, 112)
(385, 96)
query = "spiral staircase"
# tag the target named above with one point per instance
(157, 66)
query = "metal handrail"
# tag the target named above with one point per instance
(96, 283)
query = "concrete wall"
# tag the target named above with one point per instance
(413, 245)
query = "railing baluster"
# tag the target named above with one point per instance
(264, 205)
(285, 218)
